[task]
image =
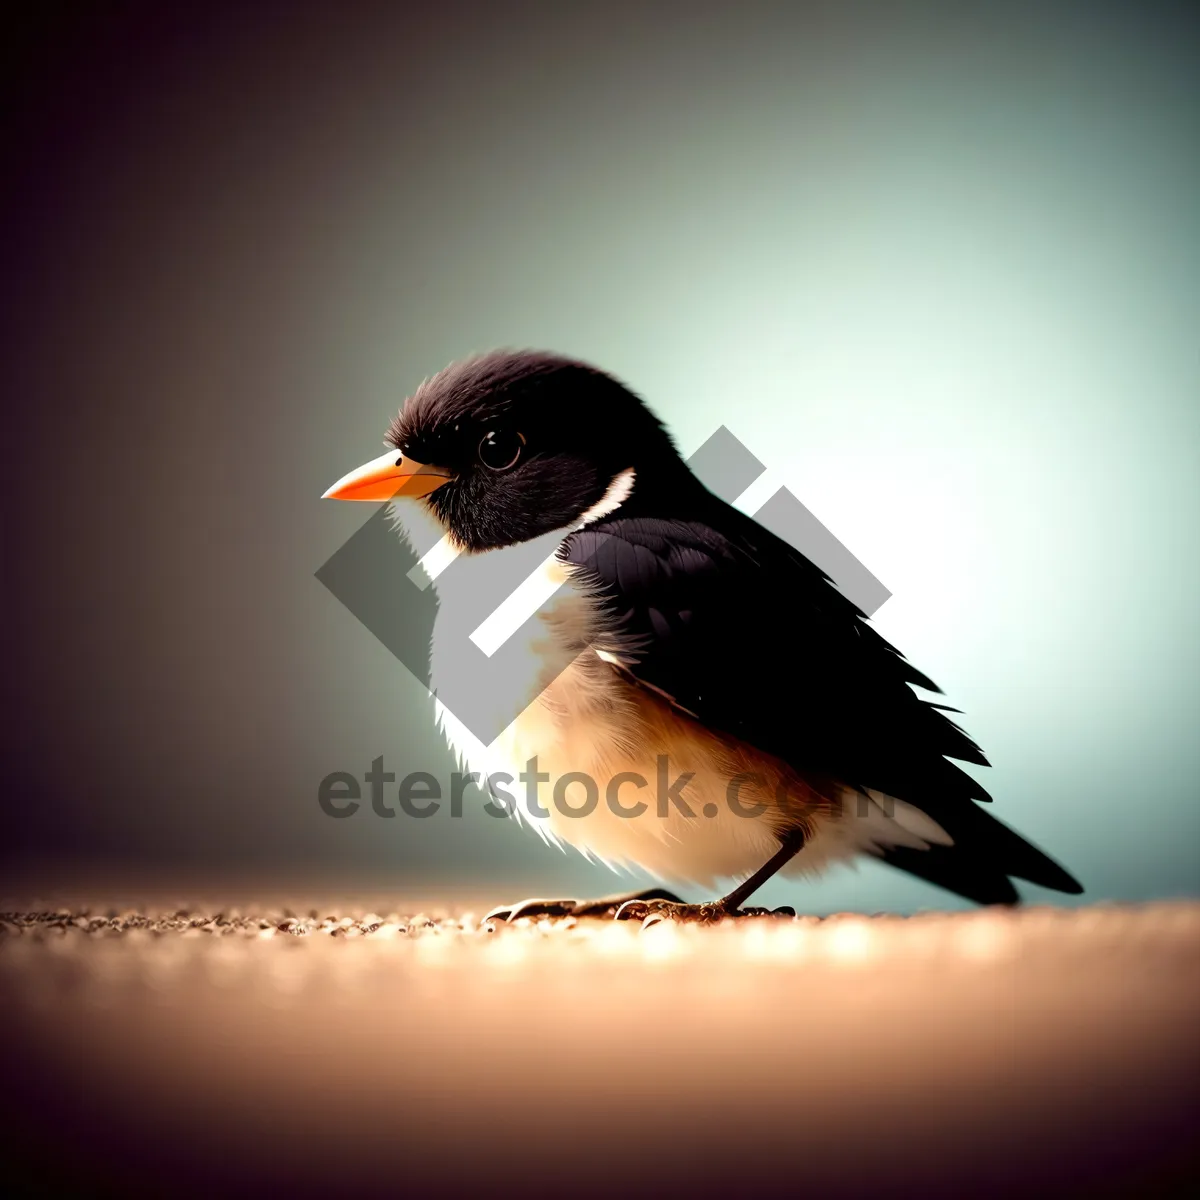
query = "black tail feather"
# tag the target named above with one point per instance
(945, 867)
(986, 852)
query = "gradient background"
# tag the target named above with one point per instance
(936, 265)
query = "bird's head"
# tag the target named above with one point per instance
(507, 446)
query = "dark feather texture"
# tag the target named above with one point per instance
(577, 425)
(746, 633)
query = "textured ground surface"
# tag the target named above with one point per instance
(343, 1046)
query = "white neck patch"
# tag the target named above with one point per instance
(614, 496)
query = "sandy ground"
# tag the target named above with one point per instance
(346, 1047)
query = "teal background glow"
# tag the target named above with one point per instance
(936, 265)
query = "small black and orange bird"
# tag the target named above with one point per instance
(677, 630)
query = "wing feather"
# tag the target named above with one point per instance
(750, 636)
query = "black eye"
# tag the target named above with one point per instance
(500, 449)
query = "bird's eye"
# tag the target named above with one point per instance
(500, 449)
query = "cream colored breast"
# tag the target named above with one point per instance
(628, 778)
(613, 753)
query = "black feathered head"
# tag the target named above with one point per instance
(511, 445)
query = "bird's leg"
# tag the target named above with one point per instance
(652, 910)
(606, 906)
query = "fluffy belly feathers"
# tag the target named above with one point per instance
(627, 778)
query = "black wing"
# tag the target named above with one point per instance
(744, 632)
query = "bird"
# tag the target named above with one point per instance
(681, 648)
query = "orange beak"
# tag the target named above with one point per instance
(389, 475)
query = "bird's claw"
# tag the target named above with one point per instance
(532, 908)
(606, 906)
(652, 912)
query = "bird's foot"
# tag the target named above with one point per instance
(606, 906)
(652, 911)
